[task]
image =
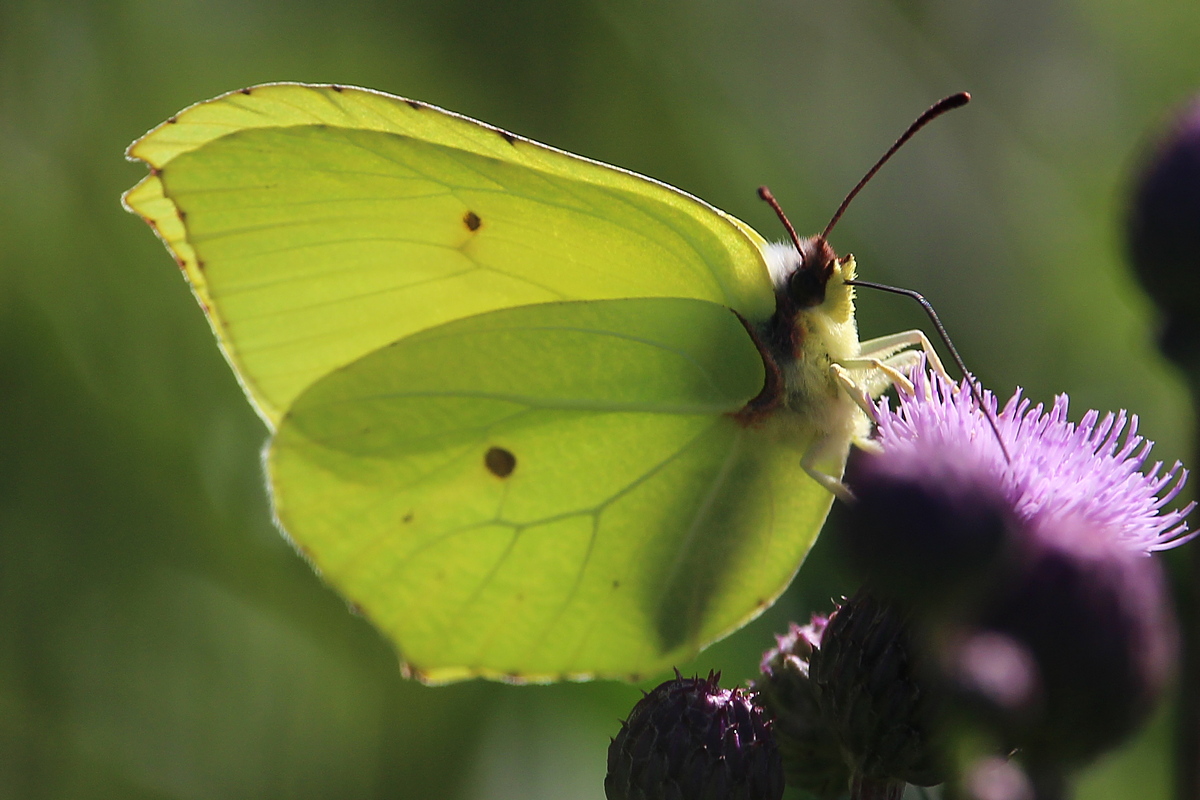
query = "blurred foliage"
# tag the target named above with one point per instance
(159, 639)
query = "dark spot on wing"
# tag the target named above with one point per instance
(499, 462)
(181, 214)
(199, 265)
(155, 171)
(506, 136)
(355, 609)
(413, 104)
(172, 120)
(335, 87)
(616, 584)
(245, 91)
(472, 221)
(408, 517)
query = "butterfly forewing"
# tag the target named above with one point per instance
(317, 225)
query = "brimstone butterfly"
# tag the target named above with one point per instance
(536, 417)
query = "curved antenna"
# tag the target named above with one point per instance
(765, 194)
(945, 337)
(933, 112)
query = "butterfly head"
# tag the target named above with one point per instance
(811, 277)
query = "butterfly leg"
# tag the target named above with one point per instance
(886, 348)
(822, 448)
(862, 396)
(861, 393)
(887, 374)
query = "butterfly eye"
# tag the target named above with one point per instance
(806, 287)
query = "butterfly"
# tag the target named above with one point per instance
(534, 416)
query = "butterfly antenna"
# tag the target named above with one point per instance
(933, 112)
(765, 194)
(976, 392)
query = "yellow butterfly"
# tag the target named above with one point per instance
(535, 416)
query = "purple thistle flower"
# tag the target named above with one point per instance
(1040, 545)
(1088, 471)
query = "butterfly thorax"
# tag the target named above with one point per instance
(813, 327)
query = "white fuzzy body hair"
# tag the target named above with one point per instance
(827, 334)
(782, 259)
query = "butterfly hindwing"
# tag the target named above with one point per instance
(550, 490)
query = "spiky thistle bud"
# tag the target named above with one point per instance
(812, 760)
(874, 698)
(689, 739)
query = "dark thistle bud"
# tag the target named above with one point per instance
(1164, 234)
(874, 699)
(812, 760)
(689, 739)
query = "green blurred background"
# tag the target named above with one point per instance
(158, 639)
